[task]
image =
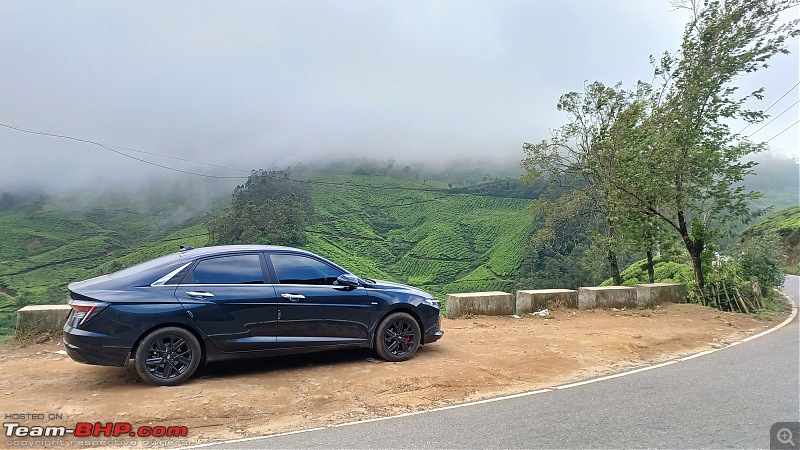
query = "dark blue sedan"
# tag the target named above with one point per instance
(215, 303)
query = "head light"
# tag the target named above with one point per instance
(433, 301)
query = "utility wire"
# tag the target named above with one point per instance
(320, 182)
(773, 119)
(770, 106)
(784, 130)
(112, 149)
(180, 159)
(86, 141)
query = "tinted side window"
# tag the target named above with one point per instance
(237, 269)
(296, 269)
(176, 279)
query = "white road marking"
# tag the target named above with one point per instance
(521, 394)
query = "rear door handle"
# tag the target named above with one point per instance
(293, 297)
(195, 294)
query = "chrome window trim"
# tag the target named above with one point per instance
(161, 281)
(260, 284)
(224, 284)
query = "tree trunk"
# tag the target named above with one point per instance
(650, 269)
(759, 300)
(612, 261)
(698, 270)
(695, 248)
(612, 256)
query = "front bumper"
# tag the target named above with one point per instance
(434, 337)
(434, 333)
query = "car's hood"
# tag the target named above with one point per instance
(389, 286)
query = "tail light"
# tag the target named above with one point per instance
(84, 309)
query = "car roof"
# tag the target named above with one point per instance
(222, 249)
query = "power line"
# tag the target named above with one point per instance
(180, 159)
(784, 130)
(320, 182)
(784, 95)
(372, 186)
(773, 119)
(770, 106)
(86, 141)
(112, 149)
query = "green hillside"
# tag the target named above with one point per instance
(427, 234)
(381, 227)
(664, 271)
(786, 224)
(406, 231)
(44, 248)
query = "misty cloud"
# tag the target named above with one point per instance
(267, 84)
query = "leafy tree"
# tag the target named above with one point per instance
(270, 208)
(561, 252)
(583, 157)
(7, 201)
(643, 232)
(687, 169)
(763, 257)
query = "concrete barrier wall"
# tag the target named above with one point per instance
(480, 303)
(657, 293)
(50, 318)
(538, 299)
(35, 319)
(606, 297)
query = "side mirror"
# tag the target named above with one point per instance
(348, 280)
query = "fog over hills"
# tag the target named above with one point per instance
(268, 84)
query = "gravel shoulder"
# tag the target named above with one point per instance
(479, 357)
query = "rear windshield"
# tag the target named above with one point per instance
(152, 264)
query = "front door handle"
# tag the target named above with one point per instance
(195, 294)
(293, 297)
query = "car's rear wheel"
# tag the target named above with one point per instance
(168, 356)
(398, 337)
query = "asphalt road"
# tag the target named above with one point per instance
(728, 398)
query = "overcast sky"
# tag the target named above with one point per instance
(267, 83)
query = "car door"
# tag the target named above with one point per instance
(312, 310)
(232, 301)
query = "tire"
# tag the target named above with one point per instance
(398, 337)
(168, 356)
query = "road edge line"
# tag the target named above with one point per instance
(788, 320)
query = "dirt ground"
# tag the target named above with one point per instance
(478, 357)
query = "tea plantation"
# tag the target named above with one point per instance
(402, 230)
(379, 227)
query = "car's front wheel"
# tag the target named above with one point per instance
(168, 356)
(398, 337)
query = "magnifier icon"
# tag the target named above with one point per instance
(784, 436)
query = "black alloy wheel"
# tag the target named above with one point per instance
(168, 356)
(398, 337)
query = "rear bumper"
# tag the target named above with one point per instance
(87, 348)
